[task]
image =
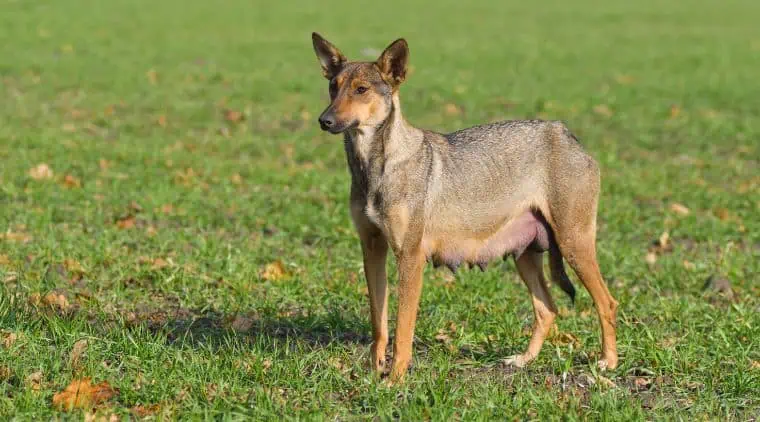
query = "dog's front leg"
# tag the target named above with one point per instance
(411, 262)
(375, 250)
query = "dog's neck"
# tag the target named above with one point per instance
(390, 142)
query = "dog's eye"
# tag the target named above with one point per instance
(361, 90)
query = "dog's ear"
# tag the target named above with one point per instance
(330, 58)
(393, 61)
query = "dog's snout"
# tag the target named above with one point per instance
(326, 121)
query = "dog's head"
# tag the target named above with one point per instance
(360, 92)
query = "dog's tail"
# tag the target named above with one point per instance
(557, 267)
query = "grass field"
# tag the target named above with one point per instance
(175, 226)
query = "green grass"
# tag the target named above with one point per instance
(128, 98)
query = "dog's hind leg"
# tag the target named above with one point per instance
(530, 267)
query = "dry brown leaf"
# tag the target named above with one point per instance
(679, 209)
(8, 339)
(73, 266)
(452, 109)
(77, 351)
(151, 231)
(236, 179)
(675, 111)
(40, 172)
(233, 116)
(689, 265)
(642, 383)
(152, 76)
(70, 181)
(4, 260)
(33, 381)
(722, 213)
(126, 222)
(603, 110)
(5, 373)
(651, 258)
(104, 164)
(56, 300)
(142, 411)
(159, 263)
(161, 120)
(274, 271)
(81, 394)
(442, 336)
(266, 364)
(167, 208)
(755, 365)
(16, 236)
(664, 240)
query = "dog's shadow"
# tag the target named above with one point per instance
(209, 328)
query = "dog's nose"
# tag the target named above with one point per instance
(326, 122)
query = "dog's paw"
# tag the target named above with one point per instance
(605, 364)
(517, 361)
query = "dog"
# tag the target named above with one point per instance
(520, 188)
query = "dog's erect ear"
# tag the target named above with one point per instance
(330, 58)
(393, 61)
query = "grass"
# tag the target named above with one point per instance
(186, 158)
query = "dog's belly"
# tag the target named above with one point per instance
(527, 231)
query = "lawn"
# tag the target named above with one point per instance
(175, 227)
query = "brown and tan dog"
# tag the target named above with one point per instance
(517, 188)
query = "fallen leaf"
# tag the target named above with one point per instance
(40, 172)
(5, 373)
(71, 181)
(142, 411)
(126, 222)
(651, 258)
(9, 339)
(266, 364)
(4, 260)
(34, 381)
(565, 339)
(236, 179)
(664, 240)
(167, 208)
(159, 263)
(679, 209)
(755, 365)
(722, 213)
(452, 109)
(625, 79)
(81, 394)
(161, 120)
(77, 351)
(16, 236)
(56, 300)
(274, 271)
(603, 110)
(642, 383)
(442, 336)
(689, 265)
(104, 164)
(675, 111)
(152, 76)
(233, 116)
